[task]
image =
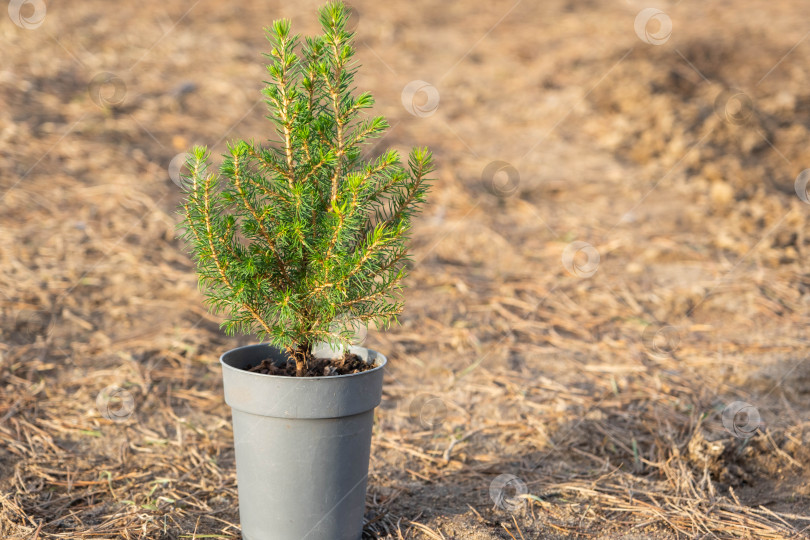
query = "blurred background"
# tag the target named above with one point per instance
(605, 323)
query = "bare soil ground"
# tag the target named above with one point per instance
(581, 316)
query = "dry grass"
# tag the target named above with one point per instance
(602, 395)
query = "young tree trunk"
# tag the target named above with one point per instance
(300, 355)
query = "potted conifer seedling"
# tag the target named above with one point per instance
(299, 242)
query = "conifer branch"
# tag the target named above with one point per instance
(271, 243)
(298, 240)
(221, 266)
(267, 162)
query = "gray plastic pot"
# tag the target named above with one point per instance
(302, 446)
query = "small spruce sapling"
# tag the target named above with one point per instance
(303, 239)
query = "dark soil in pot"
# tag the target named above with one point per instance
(316, 367)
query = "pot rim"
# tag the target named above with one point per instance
(380, 360)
